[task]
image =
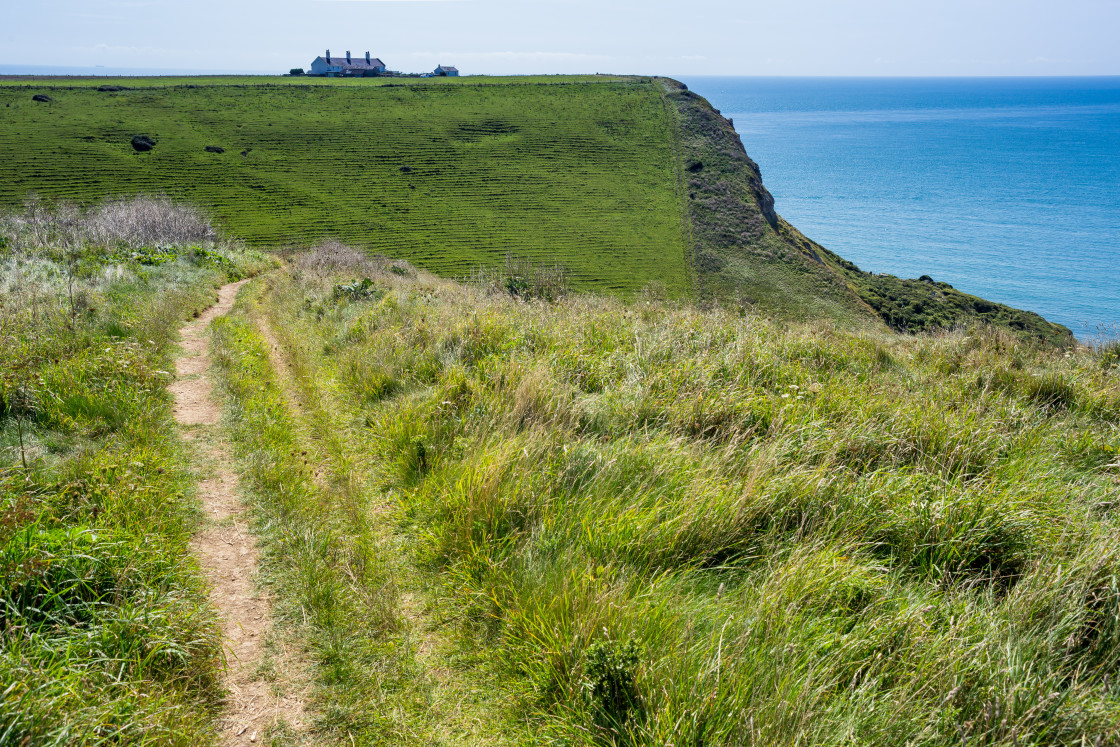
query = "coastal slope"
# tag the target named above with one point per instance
(744, 251)
(629, 184)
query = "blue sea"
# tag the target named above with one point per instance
(1007, 188)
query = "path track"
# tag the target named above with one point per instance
(226, 548)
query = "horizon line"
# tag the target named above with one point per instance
(201, 72)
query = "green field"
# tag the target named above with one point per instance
(447, 174)
(626, 183)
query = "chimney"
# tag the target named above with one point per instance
(328, 57)
(367, 58)
(347, 56)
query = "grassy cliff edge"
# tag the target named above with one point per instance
(628, 182)
(743, 250)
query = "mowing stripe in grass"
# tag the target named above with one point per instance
(446, 176)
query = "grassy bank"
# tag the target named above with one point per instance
(448, 175)
(744, 252)
(107, 636)
(668, 526)
(629, 183)
(343, 587)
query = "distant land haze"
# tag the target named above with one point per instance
(1007, 188)
(125, 71)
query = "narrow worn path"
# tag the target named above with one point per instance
(227, 551)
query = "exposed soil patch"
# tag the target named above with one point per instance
(226, 550)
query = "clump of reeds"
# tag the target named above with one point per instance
(132, 222)
(523, 278)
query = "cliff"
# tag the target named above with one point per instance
(744, 252)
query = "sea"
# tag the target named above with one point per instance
(1006, 188)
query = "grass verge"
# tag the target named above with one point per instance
(107, 635)
(661, 525)
(342, 586)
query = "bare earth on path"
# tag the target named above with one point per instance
(226, 549)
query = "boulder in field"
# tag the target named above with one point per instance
(215, 149)
(41, 97)
(143, 143)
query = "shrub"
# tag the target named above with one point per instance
(146, 255)
(610, 680)
(359, 290)
(136, 222)
(523, 278)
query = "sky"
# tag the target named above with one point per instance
(496, 37)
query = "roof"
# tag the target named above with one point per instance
(448, 69)
(357, 62)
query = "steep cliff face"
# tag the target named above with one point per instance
(741, 248)
(743, 251)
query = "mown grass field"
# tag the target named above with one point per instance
(448, 174)
(644, 524)
(107, 635)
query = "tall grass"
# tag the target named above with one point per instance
(675, 526)
(343, 590)
(134, 222)
(523, 278)
(106, 632)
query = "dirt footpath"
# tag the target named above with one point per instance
(226, 549)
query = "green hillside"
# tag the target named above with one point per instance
(446, 175)
(626, 182)
(743, 250)
(648, 524)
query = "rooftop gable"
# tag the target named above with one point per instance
(355, 62)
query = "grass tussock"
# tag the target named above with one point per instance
(106, 633)
(664, 525)
(523, 278)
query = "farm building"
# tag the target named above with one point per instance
(347, 66)
(447, 70)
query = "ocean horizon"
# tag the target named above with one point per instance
(1006, 188)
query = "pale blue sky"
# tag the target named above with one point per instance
(777, 37)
